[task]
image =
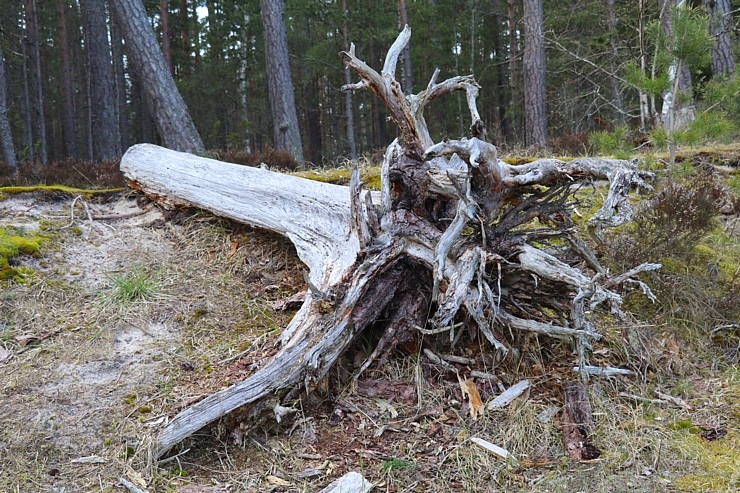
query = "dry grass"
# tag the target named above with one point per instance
(109, 375)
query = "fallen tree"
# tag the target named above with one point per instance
(456, 242)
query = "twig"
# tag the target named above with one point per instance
(607, 371)
(130, 486)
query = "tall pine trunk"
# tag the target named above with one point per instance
(37, 94)
(244, 84)
(348, 104)
(170, 113)
(535, 108)
(119, 79)
(6, 138)
(104, 124)
(515, 75)
(164, 25)
(286, 133)
(68, 118)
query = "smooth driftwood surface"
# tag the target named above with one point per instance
(456, 243)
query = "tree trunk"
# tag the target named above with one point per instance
(6, 138)
(403, 21)
(720, 27)
(185, 37)
(104, 124)
(677, 112)
(515, 81)
(244, 85)
(441, 247)
(611, 22)
(348, 106)
(285, 128)
(170, 113)
(37, 94)
(26, 102)
(645, 116)
(503, 95)
(119, 78)
(68, 118)
(164, 25)
(535, 108)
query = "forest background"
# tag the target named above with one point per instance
(600, 58)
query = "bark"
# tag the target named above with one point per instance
(37, 94)
(535, 108)
(103, 120)
(167, 106)
(577, 422)
(6, 138)
(164, 25)
(68, 118)
(443, 242)
(285, 130)
(720, 27)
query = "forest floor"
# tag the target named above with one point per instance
(132, 314)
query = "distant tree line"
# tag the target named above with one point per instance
(70, 86)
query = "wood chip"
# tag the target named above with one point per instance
(274, 480)
(499, 452)
(509, 395)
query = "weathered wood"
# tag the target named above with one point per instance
(449, 234)
(577, 422)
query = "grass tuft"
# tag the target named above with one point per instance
(137, 285)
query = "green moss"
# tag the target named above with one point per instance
(5, 191)
(718, 462)
(370, 176)
(13, 243)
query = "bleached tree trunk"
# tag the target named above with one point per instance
(440, 248)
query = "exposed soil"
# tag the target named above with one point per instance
(91, 380)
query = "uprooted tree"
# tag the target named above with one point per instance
(456, 242)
